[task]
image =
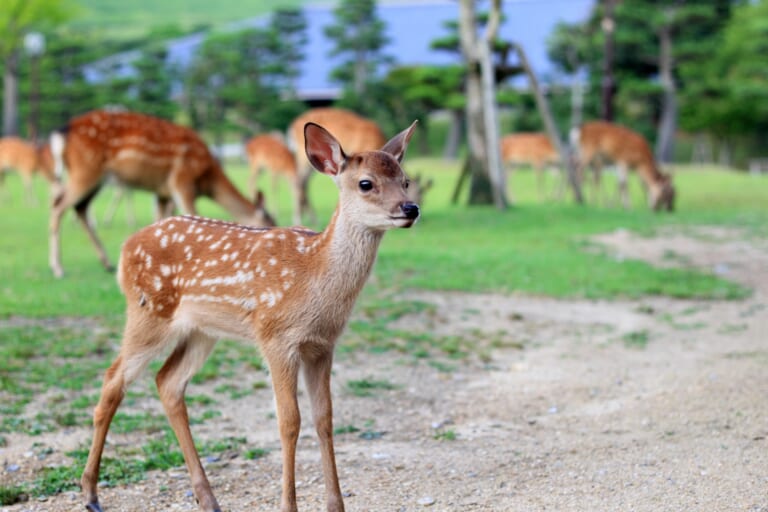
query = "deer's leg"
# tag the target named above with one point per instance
(141, 342)
(163, 207)
(302, 194)
(117, 195)
(622, 178)
(284, 372)
(81, 209)
(298, 199)
(3, 190)
(70, 194)
(183, 192)
(253, 177)
(317, 376)
(29, 188)
(172, 379)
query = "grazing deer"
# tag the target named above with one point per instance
(143, 152)
(27, 159)
(530, 148)
(268, 152)
(355, 133)
(189, 281)
(628, 150)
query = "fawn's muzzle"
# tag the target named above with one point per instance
(410, 210)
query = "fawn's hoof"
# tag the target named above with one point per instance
(94, 507)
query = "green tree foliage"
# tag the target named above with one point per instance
(64, 91)
(694, 29)
(17, 18)
(728, 92)
(359, 36)
(153, 84)
(241, 80)
(290, 29)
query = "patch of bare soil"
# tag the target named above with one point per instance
(641, 405)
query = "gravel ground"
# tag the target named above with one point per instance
(567, 414)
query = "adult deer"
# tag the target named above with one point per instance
(530, 148)
(266, 152)
(26, 158)
(189, 281)
(629, 151)
(356, 133)
(142, 152)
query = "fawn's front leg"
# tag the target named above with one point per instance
(285, 372)
(317, 377)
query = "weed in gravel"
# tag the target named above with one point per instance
(636, 339)
(366, 387)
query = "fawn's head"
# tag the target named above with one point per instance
(260, 216)
(373, 188)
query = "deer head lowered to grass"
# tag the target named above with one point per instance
(189, 281)
(142, 152)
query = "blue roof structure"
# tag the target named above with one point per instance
(411, 26)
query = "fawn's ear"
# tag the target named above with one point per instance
(399, 143)
(323, 150)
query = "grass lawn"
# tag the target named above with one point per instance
(536, 246)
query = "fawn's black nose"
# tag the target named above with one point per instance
(410, 210)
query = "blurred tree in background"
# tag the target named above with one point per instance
(662, 47)
(359, 36)
(242, 81)
(17, 18)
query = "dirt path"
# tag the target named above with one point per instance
(646, 405)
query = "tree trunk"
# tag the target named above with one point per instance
(455, 131)
(608, 85)
(549, 123)
(11, 96)
(665, 142)
(484, 186)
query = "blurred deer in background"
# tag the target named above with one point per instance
(143, 152)
(534, 149)
(355, 133)
(26, 158)
(629, 151)
(267, 152)
(189, 281)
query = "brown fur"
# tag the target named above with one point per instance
(147, 153)
(189, 281)
(629, 151)
(268, 153)
(356, 133)
(529, 148)
(27, 159)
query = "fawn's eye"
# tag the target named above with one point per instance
(407, 184)
(365, 185)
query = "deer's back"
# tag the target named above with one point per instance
(270, 152)
(534, 148)
(129, 144)
(16, 153)
(354, 132)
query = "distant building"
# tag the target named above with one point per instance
(411, 26)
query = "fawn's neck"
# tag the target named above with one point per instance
(350, 250)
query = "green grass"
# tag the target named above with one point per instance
(57, 359)
(534, 247)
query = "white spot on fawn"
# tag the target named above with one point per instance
(165, 270)
(164, 242)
